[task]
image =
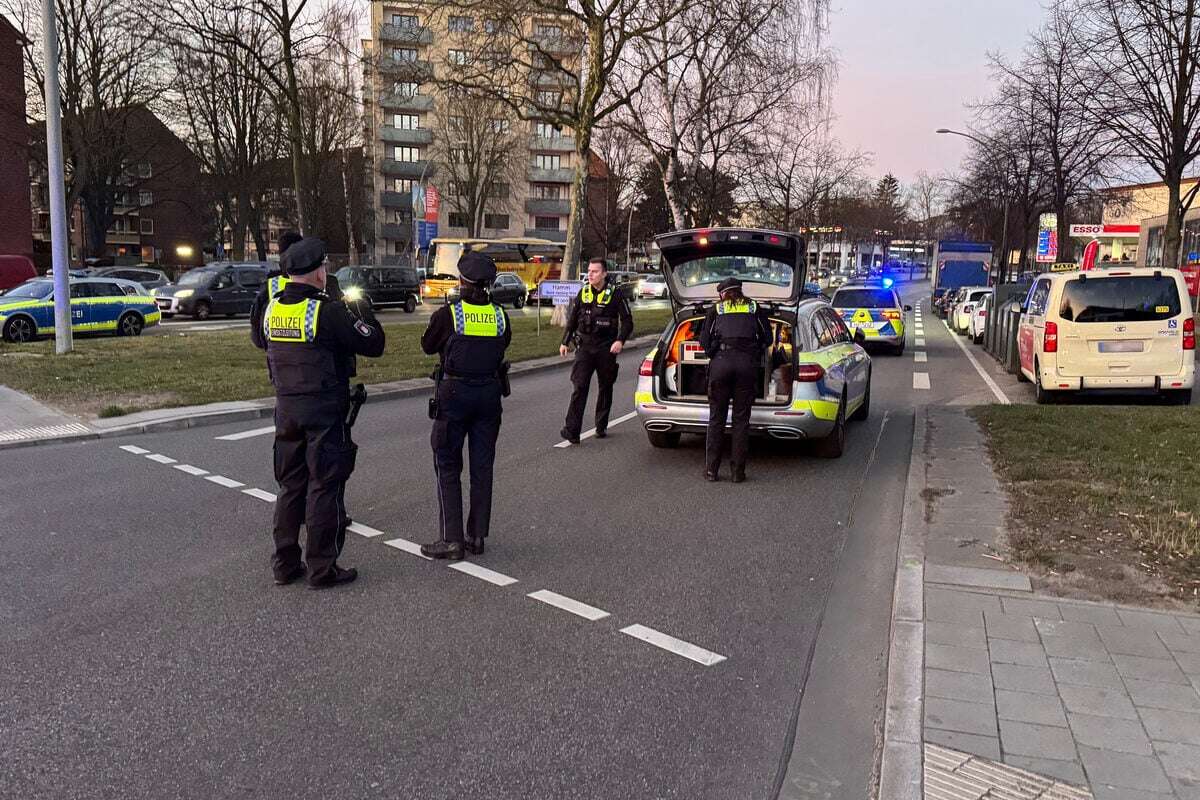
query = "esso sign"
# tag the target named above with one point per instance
(1086, 230)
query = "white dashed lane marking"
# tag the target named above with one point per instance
(920, 380)
(260, 494)
(919, 342)
(411, 548)
(365, 531)
(590, 613)
(228, 483)
(483, 573)
(677, 646)
(592, 432)
(920, 357)
(160, 459)
(234, 437)
(190, 470)
(137, 451)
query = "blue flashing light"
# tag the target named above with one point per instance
(887, 283)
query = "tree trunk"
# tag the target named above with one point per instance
(1066, 248)
(295, 126)
(670, 179)
(351, 239)
(1172, 236)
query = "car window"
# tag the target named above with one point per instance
(374, 277)
(1130, 298)
(224, 281)
(864, 298)
(1039, 297)
(840, 332)
(822, 335)
(251, 278)
(108, 290)
(81, 290)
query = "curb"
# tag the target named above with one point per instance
(264, 408)
(901, 770)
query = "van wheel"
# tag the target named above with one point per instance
(19, 330)
(863, 411)
(410, 304)
(833, 445)
(1179, 397)
(663, 439)
(203, 311)
(518, 301)
(1040, 394)
(130, 324)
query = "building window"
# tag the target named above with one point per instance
(402, 185)
(497, 222)
(500, 126)
(404, 54)
(408, 154)
(407, 122)
(146, 226)
(542, 29)
(546, 223)
(1191, 242)
(548, 99)
(546, 130)
(397, 217)
(500, 191)
(1154, 247)
(547, 161)
(145, 198)
(459, 57)
(458, 219)
(460, 24)
(405, 21)
(546, 191)
(144, 170)
(406, 90)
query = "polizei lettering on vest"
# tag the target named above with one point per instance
(282, 327)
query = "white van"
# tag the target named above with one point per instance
(1109, 329)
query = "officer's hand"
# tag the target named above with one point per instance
(616, 348)
(562, 350)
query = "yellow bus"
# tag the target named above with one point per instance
(533, 260)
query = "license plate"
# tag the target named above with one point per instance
(1121, 346)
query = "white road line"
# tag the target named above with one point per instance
(190, 470)
(676, 646)
(592, 432)
(920, 357)
(991, 384)
(160, 459)
(228, 483)
(483, 573)
(919, 342)
(260, 494)
(567, 604)
(364, 530)
(234, 437)
(137, 451)
(920, 380)
(406, 546)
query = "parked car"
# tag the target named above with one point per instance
(98, 305)
(979, 318)
(381, 286)
(654, 286)
(149, 278)
(219, 288)
(15, 270)
(1129, 328)
(507, 289)
(960, 315)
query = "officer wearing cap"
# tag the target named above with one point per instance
(470, 336)
(277, 279)
(308, 336)
(735, 334)
(598, 323)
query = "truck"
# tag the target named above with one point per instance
(960, 263)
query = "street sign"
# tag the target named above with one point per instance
(560, 292)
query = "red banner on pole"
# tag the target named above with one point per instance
(1090, 253)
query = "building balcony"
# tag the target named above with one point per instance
(394, 135)
(542, 175)
(551, 79)
(392, 230)
(554, 144)
(396, 200)
(405, 34)
(555, 45)
(401, 102)
(403, 69)
(406, 169)
(546, 207)
(553, 234)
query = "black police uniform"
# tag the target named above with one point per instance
(595, 320)
(307, 337)
(471, 337)
(734, 336)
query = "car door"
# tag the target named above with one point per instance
(854, 361)
(81, 306)
(107, 304)
(222, 292)
(1033, 323)
(249, 283)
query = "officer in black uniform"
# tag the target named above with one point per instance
(471, 337)
(307, 337)
(598, 323)
(735, 334)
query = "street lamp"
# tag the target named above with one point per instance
(1002, 268)
(57, 180)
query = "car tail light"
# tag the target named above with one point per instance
(982, 312)
(1050, 338)
(1189, 334)
(810, 373)
(891, 313)
(647, 369)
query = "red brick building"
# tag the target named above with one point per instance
(15, 234)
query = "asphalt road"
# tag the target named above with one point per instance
(148, 655)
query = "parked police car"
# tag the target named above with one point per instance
(98, 305)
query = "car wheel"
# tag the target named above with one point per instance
(130, 324)
(1040, 394)
(663, 439)
(519, 301)
(977, 338)
(203, 311)
(898, 350)
(410, 304)
(833, 445)
(165, 315)
(863, 411)
(19, 330)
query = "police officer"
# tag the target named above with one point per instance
(735, 334)
(471, 337)
(277, 279)
(598, 322)
(307, 337)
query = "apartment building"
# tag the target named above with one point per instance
(15, 234)
(411, 47)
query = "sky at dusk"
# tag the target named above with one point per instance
(908, 66)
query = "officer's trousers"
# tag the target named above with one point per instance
(314, 457)
(732, 375)
(469, 412)
(590, 359)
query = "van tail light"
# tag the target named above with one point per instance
(647, 369)
(810, 373)
(1189, 334)
(1050, 338)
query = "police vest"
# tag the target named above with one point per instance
(737, 324)
(476, 347)
(276, 284)
(298, 364)
(597, 319)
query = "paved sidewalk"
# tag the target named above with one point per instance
(23, 419)
(1102, 700)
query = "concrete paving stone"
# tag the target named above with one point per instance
(1066, 771)
(1188, 662)
(1010, 626)
(961, 716)
(952, 532)
(1195, 679)
(1190, 623)
(955, 634)
(1085, 673)
(1041, 741)
(1029, 707)
(1184, 790)
(1106, 733)
(1097, 701)
(1171, 726)
(958, 685)
(956, 659)
(982, 746)
(1078, 648)
(1096, 615)
(1006, 651)
(1181, 761)
(1101, 792)
(1164, 670)
(1180, 642)
(1151, 694)
(1132, 641)
(1052, 628)
(988, 515)
(1149, 619)
(1042, 609)
(1020, 678)
(1124, 770)
(946, 606)
(981, 578)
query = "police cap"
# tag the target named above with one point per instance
(303, 257)
(477, 268)
(727, 284)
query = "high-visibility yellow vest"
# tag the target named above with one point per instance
(737, 307)
(295, 323)
(601, 299)
(477, 320)
(276, 283)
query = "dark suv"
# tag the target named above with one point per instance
(382, 286)
(219, 288)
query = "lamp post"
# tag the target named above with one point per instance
(57, 180)
(1002, 269)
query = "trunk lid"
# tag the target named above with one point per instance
(770, 264)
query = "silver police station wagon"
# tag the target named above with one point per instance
(814, 377)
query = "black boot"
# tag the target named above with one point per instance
(336, 577)
(739, 474)
(451, 550)
(573, 438)
(711, 475)
(474, 546)
(290, 575)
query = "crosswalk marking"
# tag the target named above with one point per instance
(677, 646)
(46, 432)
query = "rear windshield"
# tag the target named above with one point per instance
(864, 298)
(1141, 298)
(714, 269)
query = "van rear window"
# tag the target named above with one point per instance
(1141, 298)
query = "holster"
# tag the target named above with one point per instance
(505, 383)
(438, 373)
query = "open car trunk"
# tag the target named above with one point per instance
(682, 373)
(770, 264)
